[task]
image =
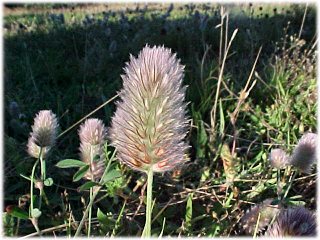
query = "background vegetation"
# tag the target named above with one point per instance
(69, 58)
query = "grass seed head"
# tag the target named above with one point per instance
(150, 124)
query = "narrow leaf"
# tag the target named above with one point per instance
(69, 163)
(113, 174)
(87, 186)
(82, 171)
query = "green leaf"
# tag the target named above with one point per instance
(35, 213)
(69, 163)
(113, 174)
(82, 171)
(228, 202)
(17, 212)
(188, 216)
(202, 138)
(48, 182)
(87, 186)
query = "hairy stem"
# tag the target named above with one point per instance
(147, 226)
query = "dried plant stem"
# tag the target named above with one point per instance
(303, 19)
(257, 226)
(147, 226)
(88, 115)
(213, 110)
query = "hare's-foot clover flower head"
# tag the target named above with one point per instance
(92, 131)
(92, 135)
(297, 221)
(278, 158)
(34, 150)
(44, 130)
(266, 211)
(43, 135)
(150, 125)
(304, 154)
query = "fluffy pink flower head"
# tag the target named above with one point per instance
(34, 150)
(297, 221)
(43, 135)
(44, 129)
(278, 158)
(150, 124)
(92, 131)
(92, 135)
(304, 154)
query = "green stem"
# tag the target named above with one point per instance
(32, 182)
(95, 193)
(147, 227)
(279, 188)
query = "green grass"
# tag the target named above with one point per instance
(72, 67)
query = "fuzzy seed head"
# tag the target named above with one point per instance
(44, 129)
(150, 124)
(92, 137)
(304, 154)
(278, 158)
(297, 221)
(250, 218)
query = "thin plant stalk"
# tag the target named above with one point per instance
(34, 220)
(147, 227)
(91, 192)
(90, 213)
(279, 188)
(290, 184)
(94, 195)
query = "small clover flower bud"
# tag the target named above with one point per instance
(304, 154)
(150, 124)
(278, 158)
(297, 221)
